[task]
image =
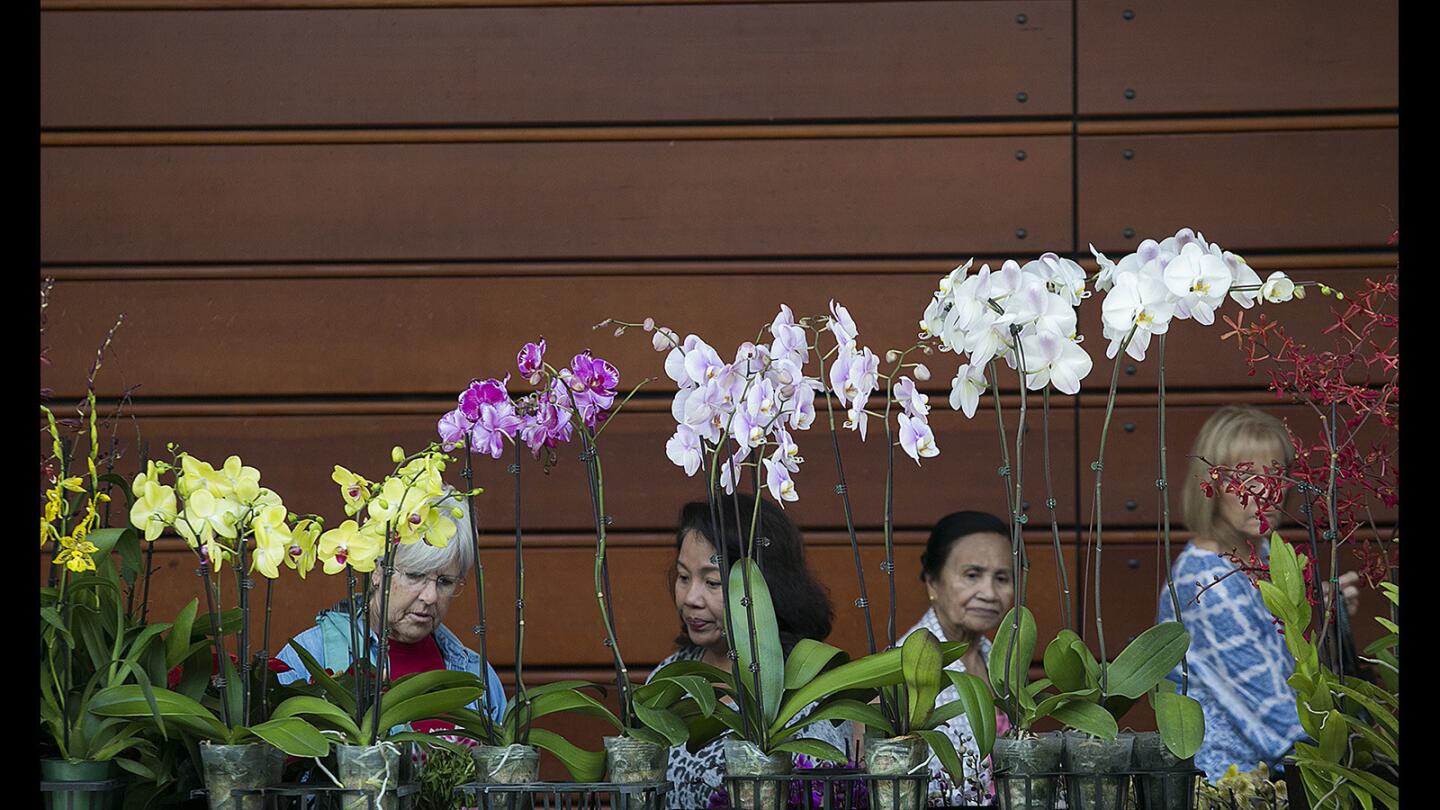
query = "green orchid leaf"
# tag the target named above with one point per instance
(1063, 664)
(130, 701)
(663, 721)
(431, 740)
(584, 766)
(1012, 659)
(334, 690)
(765, 652)
(979, 704)
(553, 702)
(699, 690)
(1148, 659)
(658, 693)
(921, 666)
(1087, 717)
(105, 540)
(177, 644)
(867, 714)
(944, 750)
(135, 767)
(952, 651)
(321, 711)
(566, 685)
(293, 736)
(422, 707)
(808, 659)
(1180, 721)
(1117, 705)
(705, 730)
(421, 683)
(709, 672)
(650, 735)
(880, 669)
(815, 749)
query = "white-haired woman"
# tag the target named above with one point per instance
(424, 585)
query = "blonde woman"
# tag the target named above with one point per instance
(1237, 659)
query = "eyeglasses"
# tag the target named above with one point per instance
(414, 581)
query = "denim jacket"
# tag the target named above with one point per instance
(328, 642)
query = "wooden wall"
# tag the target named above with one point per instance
(321, 218)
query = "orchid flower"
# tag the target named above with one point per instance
(916, 438)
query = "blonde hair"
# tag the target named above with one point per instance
(1232, 434)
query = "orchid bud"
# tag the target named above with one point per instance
(456, 512)
(397, 454)
(649, 324)
(619, 330)
(891, 356)
(922, 372)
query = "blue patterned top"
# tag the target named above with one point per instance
(1238, 665)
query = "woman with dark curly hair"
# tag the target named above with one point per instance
(802, 610)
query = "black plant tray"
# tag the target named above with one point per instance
(315, 797)
(565, 795)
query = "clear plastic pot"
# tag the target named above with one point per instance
(506, 765)
(239, 767)
(633, 761)
(1162, 792)
(745, 759)
(899, 756)
(1097, 775)
(374, 768)
(63, 770)
(1024, 771)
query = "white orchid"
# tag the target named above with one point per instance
(966, 388)
(1198, 280)
(916, 438)
(684, 449)
(913, 401)
(1138, 301)
(1278, 288)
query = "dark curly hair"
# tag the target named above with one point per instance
(802, 605)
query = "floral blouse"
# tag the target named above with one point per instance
(978, 784)
(695, 778)
(1238, 665)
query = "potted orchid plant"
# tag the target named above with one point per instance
(567, 402)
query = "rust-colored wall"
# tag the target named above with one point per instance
(322, 219)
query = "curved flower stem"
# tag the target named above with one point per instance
(1164, 486)
(591, 456)
(1050, 503)
(363, 665)
(1099, 466)
(762, 735)
(1004, 473)
(350, 598)
(1334, 606)
(217, 639)
(523, 730)
(723, 555)
(901, 718)
(264, 654)
(1018, 517)
(382, 656)
(468, 474)
(843, 490)
(243, 584)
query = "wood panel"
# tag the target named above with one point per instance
(1130, 497)
(1197, 356)
(1247, 191)
(359, 336)
(513, 200)
(1291, 55)
(287, 337)
(467, 66)
(296, 455)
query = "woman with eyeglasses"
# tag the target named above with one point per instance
(426, 581)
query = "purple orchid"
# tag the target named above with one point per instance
(480, 393)
(495, 424)
(453, 427)
(531, 360)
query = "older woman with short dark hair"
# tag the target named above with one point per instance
(425, 583)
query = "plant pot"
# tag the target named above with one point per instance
(1097, 775)
(505, 765)
(226, 768)
(631, 761)
(900, 756)
(374, 768)
(1025, 771)
(1162, 792)
(745, 759)
(63, 770)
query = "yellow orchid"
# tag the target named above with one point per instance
(220, 514)
(74, 484)
(243, 481)
(300, 554)
(75, 553)
(349, 544)
(388, 502)
(272, 539)
(196, 475)
(154, 509)
(218, 553)
(353, 488)
(151, 473)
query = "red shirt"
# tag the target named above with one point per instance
(422, 656)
